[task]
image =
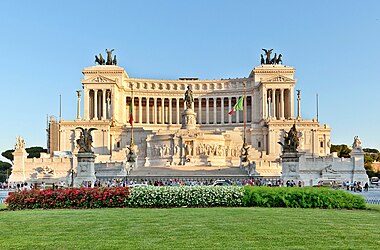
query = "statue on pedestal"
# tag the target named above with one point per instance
(291, 140)
(85, 140)
(357, 143)
(20, 143)
(189, 99)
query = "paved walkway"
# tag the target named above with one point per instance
(372, 196)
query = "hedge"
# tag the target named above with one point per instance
(306, 197)
(185, 196)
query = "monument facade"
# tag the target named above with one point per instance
(183, 126)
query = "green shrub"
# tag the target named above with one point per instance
(305, 197)
(190, 196)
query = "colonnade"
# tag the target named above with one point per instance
(97, 104)
(164, 110)
(279, 103)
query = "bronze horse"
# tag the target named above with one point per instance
(100, 60)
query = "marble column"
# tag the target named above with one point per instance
(78, 104)
(215, 108)
(140, 110)
(252, 109)
(274, 103)
(200, 110)
(177, 110)
(264, 103)
(155, 111)
(282, 104)
(222, 110)
(291, 102)
(229, 109)
(170, 111)
(147, 110)
(237, 112)
(104, 104)
(162, 110)
(95, 104)
(86, 102)
(207, 111)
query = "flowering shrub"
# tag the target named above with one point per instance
(68, 198)
(190, 196)
(301, 197)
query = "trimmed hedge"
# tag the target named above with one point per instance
(68, 198)
(306, 197)
(185, 196)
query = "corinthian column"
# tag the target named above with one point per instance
(222, 110)
(155, 111)
(170, 111)
(215, 122)
(229, 108)
(177, 110)
(147, 109)
(200, 110)
(274, 103)
(207, 111)
(86, 101)
(140, 110)
(95, 104)
(78, 104)
(104, 104)
(282, 104)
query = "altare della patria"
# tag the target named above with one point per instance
(188, 128)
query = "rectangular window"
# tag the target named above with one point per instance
(259, 144)
(321, 144)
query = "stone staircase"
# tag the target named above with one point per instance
(188, 171)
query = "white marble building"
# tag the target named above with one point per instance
(157, 107)
(164, 148)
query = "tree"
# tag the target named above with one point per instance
(5, 170)
(342, 150)
(32, 151)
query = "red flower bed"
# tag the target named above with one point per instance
(69, 198)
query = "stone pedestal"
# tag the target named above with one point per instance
(18, 168)
(85, 169)
(358, 171)
(290, 166)
(189, 119)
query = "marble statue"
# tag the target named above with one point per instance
(357, 143)
(20, 143)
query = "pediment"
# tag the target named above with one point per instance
(99, 79)
(278, 78)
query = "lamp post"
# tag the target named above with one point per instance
(245, 147)
(72, 177)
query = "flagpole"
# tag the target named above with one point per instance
(132, 103)
(244, 116)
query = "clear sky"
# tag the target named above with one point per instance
(334, 46)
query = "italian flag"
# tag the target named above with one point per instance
(238, 106)
(130, 114)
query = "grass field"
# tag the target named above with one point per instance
(195, 228)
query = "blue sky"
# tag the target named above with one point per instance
(334, 46)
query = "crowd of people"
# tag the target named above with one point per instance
(271, 182)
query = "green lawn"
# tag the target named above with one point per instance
(191, 228)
